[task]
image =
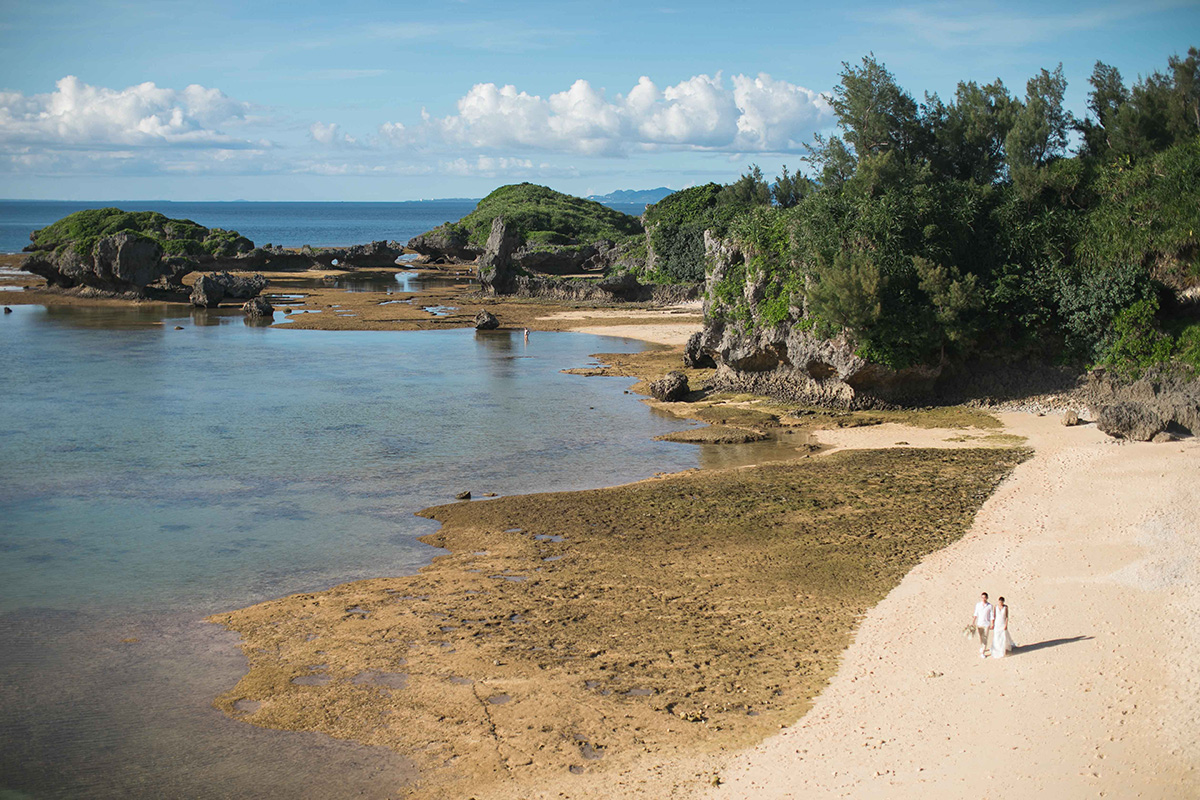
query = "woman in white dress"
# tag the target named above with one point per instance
(1001, 641)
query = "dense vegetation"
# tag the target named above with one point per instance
(180, 237)
(960, 228)
(676, 224)
(544, 216)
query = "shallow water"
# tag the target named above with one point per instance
(150, 476)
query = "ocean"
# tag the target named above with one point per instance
(151, 476)
(285, 224)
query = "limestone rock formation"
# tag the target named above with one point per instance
(444, 244)
(693, 352)
(496, 271)
(1165, 399)
(486, 321)
(669, 388)
(1136, 421)
(258, 307)
(785, 360)
(123, 262)
(211, 289)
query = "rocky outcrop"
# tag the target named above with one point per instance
(150, 254)
(784, 359)
(694, 355)
(669, 388)
(444, 244)
(1136, 421)
(258, 307)
(486, 321)
(496, 269)
(122, 263)
(211, 289)
(1166, 399)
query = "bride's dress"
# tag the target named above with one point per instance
(1001, 641)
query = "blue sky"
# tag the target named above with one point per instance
(397, 101)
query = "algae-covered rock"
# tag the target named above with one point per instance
(486, 321)
(670, 387)
(211, 289)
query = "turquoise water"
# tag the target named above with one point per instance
(149, 476)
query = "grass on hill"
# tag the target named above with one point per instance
(177, 237)
(544, 216)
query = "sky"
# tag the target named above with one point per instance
(383, 101)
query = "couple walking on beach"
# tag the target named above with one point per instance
(991, 623)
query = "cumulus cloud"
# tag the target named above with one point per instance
(80, 116)
(754, 114)
(330, 134)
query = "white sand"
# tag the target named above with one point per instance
(1096, 546)
(671, 325)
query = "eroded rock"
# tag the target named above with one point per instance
(1169, 395)
(1130, 420)
(669, 388)
(783, 359)
(496, 271)
(486, 321)
(258, 307)
(211, 289)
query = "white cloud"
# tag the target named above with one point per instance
(79, 116)
(330, 134)
(757, 114)
(774, 112)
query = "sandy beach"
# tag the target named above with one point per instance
(1094, 543)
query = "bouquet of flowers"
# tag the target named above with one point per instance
(969, 631)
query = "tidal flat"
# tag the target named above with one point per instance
(582, 631)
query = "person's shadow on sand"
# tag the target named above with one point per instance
(1029, 648)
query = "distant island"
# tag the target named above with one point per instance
(646, 196)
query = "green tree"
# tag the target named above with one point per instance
(831, 160)
(751, 189)
(968, 135)
(875, 114)
(847, 293)
(1185, 95)
(1039, 132)
(790, 189)
(1104, 101)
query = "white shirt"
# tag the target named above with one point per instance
(984, 614)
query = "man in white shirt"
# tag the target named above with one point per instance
(984, 619)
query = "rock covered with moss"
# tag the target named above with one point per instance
(117, 251)
(756, 352)
(554, 233)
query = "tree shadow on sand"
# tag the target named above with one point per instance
(1029, 648)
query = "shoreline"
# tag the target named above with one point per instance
(1093, 541)
(1108, 550)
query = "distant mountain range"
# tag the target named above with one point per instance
(646, 196)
